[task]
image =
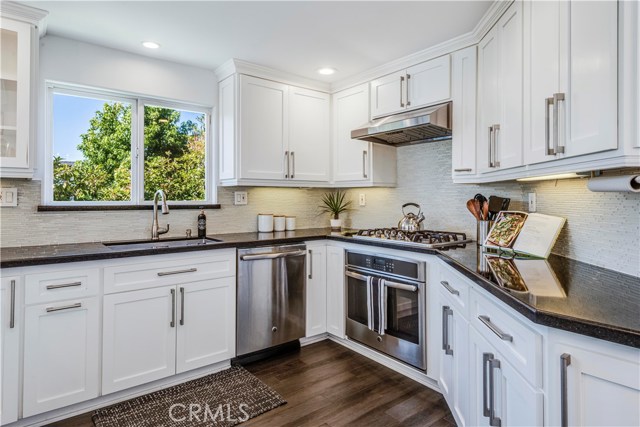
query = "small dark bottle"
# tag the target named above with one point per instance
(202, 225)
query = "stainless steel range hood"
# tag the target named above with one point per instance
(424, 125)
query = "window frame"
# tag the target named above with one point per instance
(138, 103)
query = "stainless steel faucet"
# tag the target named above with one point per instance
(156, 231)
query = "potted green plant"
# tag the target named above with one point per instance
(334, 203)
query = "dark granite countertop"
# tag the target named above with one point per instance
(588, 300)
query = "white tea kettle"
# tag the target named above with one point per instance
(411, 221)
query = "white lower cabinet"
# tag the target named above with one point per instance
(155, 333)
(454, 360)
(206, 323)
(10, 327)
(500, 396)
(335, 291)
(316, 290)
(139, 338)
(592, 382)
(61, 354)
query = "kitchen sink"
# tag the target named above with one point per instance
(160, 244)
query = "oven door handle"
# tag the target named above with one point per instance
(396, 285)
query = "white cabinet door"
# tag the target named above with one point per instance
(508, 138)
(316, 322)
(206, 323)
(351, 159)
(429, 82)
(388, 94)
(61, 355)
(454, 361)
(498, 392)
(463, 95)
(591, 85)
(10, 327)
(264, 136)
(602, 382)
(335, 291)
(309, 136)
(227, 128)
(488, 94)
(15, 84)
(139, 337)
(542, 76)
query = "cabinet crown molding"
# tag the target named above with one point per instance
(28, 14)
(239, 66)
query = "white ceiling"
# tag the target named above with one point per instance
(294, 36)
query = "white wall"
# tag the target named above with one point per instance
(70, 61)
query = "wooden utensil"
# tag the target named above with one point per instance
(471, 207)
(478, 208)
(485, 211)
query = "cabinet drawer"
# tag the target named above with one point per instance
(456, 289)
(59, 285)
(519, 344)
(154, 271)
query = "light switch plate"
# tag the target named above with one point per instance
(8, 197)
(240, 198)
(363, 199)
(533, 203)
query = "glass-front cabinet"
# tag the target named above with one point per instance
(15, 95)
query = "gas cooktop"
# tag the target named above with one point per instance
(429, 239)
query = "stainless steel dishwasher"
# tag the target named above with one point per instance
(271, 297)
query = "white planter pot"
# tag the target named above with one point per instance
(336, 224)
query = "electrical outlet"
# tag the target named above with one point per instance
(240, 198)
(9, 197)
(362, 200)
(533, 204)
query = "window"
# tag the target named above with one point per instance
(108, 149)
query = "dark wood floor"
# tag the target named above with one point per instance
(328, 385)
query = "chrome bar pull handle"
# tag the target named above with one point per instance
(173, 309)
(462, 170)
(557, 97)
(12, 315)
(310, 264)
(401, 97)
(181, 306)
(496, 130)
(64, 307)
(446, 312)
(490, 145)
(407, 90)
(486, 409)
(551, 151)
(565, 361)
(448, 287)
(64, 285)
(293, 164)
(286, 161)
(169, 273)
(493, 420)
(364, 164)
(487, 322)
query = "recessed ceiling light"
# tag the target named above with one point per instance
(326, 71)
(150, 45)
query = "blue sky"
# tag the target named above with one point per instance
(71, 115)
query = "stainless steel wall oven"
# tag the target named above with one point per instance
(386, 305)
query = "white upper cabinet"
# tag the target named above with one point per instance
(264, 136)
(418, 86)
(463, 95)
(15, 92)
(571, 79)
(500, 93)
(309, 135)
(355, 162)
(272, 133)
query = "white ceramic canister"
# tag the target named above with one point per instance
(265, 223)
(279, 223)
(290, 223)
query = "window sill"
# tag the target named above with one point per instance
(85, 208)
